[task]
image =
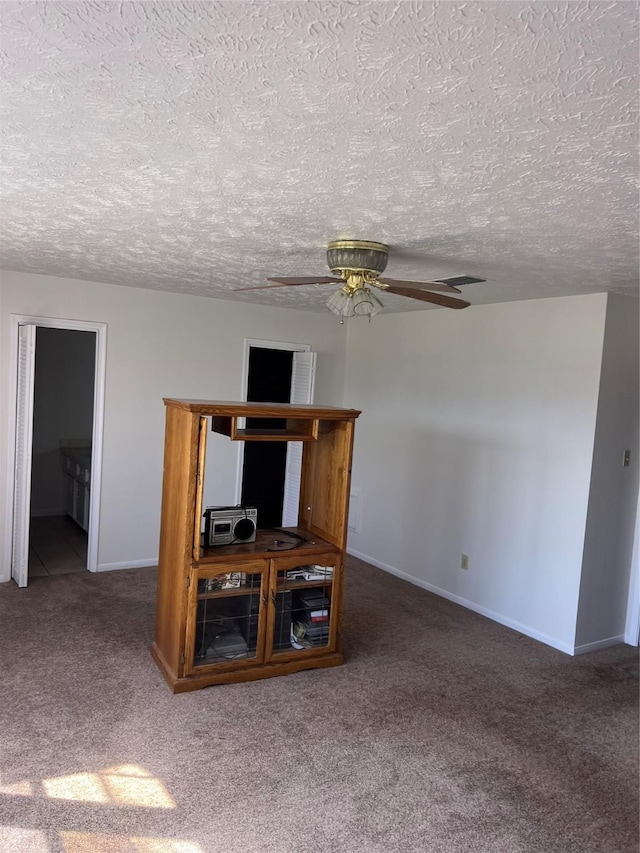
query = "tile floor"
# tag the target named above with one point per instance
(57, 546)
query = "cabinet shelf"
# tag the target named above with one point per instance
(282, 585)
(207, 633)
(272, 435)
(232, 592)
(303, 584)
(295, 429)
(264, 546)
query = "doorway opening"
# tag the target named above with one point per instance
(263, 471)
(61, 451)
(275, 372)
(58, 389)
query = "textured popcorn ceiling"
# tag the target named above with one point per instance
(198, 147)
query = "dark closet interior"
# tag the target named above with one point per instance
(269, 381)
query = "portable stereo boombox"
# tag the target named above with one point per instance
(229, 525)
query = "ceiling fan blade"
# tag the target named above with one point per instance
(318, 279)
(425, 296)
(424, 285)
(288, 282)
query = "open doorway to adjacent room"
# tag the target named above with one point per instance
(275, 372)
(59, 384)
(61, 451)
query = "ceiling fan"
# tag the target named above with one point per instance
(356, 265)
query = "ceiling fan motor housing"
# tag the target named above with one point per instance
(357, 256)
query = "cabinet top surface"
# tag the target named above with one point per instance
(282, 410)
(269, 544)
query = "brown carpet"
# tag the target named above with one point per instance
(443, 732)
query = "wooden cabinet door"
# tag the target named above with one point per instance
(303, 607)
(227, 616)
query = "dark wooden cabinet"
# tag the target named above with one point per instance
(256, 609)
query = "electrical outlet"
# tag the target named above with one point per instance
(464, 561)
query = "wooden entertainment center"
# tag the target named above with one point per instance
(237, 612)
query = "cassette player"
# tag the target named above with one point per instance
(229, 525)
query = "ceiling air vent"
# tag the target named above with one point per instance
(457, 280)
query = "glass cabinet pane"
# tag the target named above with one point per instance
(227, 618)
(302, 608)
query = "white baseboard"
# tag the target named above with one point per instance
(135, 564)
(599, 644)
(106, 567)
(470, 605)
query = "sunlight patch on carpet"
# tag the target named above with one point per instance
(81, 842)
(127, 785)
(21, 789)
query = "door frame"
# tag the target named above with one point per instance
(100, 330)
(289, 346)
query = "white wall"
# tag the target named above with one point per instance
(158, 345)
(613, 495)
(63, 409)
(477, 437)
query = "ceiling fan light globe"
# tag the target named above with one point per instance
(340, 303)
(365, 304)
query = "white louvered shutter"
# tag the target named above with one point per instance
(302, 382)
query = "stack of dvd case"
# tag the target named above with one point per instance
(310, 625)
